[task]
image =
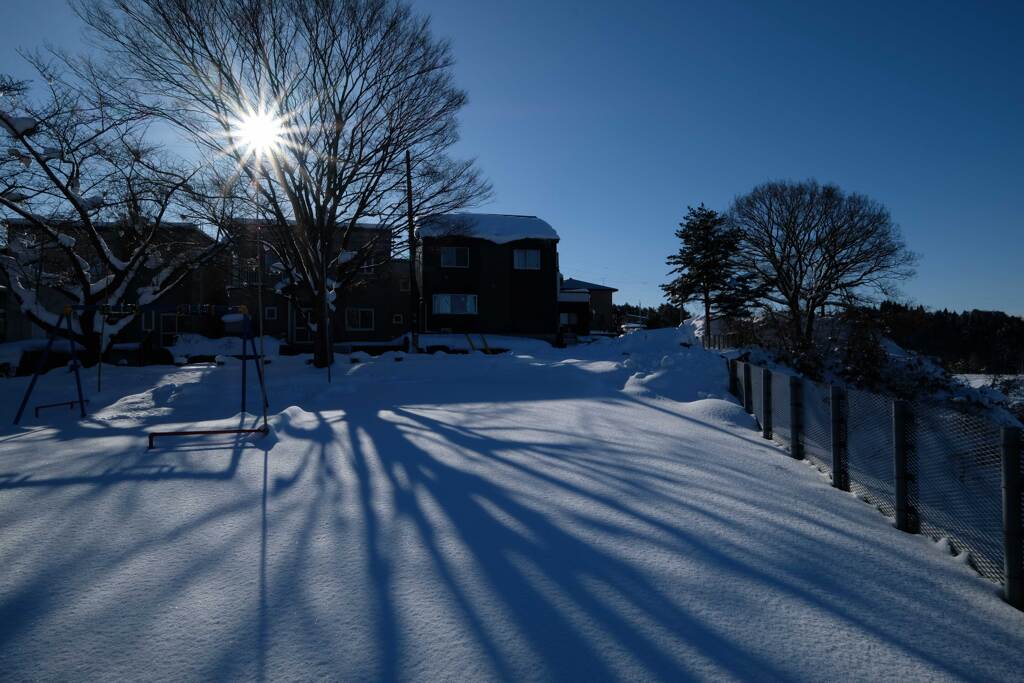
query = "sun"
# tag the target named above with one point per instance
(259, 132)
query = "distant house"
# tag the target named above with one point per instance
(585, 306)
(158, 324)
(490, 273)
(373, 306)
(480, 273)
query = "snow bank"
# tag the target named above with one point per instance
(497, 228)
(188, 344)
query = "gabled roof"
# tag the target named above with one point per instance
(493, 227)
(573, 283)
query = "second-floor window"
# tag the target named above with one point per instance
(359, 319)
(526, 259)
(455, 304)
(455, 257)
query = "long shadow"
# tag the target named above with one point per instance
(557, 640)
(817, 571)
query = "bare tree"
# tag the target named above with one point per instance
(812, 246)
(86, 202)
(344, 88)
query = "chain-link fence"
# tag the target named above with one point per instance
(869, 449)
(756, 393)
(935, 469)
(816, 420)
(781, 431)
(956, 482)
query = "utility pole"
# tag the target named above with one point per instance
(414, 288)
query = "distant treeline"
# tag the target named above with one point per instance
(971, 341)
(651, 317)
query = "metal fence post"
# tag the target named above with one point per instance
(906, 520)
(1013, 533)
(733, 383)
(840, 468)
(766, 401)
(748, 395)
(796, 446)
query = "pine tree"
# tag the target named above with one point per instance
(705, 267)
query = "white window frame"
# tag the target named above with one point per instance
(454, 260)
(359, 312)
(442, 304)
(520, 260)
(270, 312)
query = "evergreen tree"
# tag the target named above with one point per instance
(705, 269)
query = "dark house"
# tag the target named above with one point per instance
(372, 306)
(599, 308)
(488, 273)
(155, 325)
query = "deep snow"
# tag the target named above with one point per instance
(558, 515)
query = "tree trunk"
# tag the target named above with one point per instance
(323, 353)
(707, 319)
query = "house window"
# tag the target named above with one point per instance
(270, 313)
(455, 257)
(569, 318)
(359, 319)
(526, 259)
(404, 285)
(455, 304)
(148, 320)
(397, 319)
(168, 329)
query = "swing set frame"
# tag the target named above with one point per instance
(249, 353)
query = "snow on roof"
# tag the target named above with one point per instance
(573, 283)
(493, 227)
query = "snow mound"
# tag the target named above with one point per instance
(716, 411)
(293, 421)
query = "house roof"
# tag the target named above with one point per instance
(573, 283)
(492, 227)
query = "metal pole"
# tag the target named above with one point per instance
(901, 474)
(246, 331)
(796, 391)
(74, 365)
(259, 302)
(1013, 533)
(840, 468)
(748, 397)
(414, 288)
(103, 343)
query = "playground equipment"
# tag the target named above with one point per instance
(257, 358)
(64, 319)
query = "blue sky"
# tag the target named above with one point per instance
(608, 118)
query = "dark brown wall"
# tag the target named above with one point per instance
(509, 301)
(601, 310)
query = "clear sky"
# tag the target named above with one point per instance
(608, 118)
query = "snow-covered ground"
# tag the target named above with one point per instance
(566, 515)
